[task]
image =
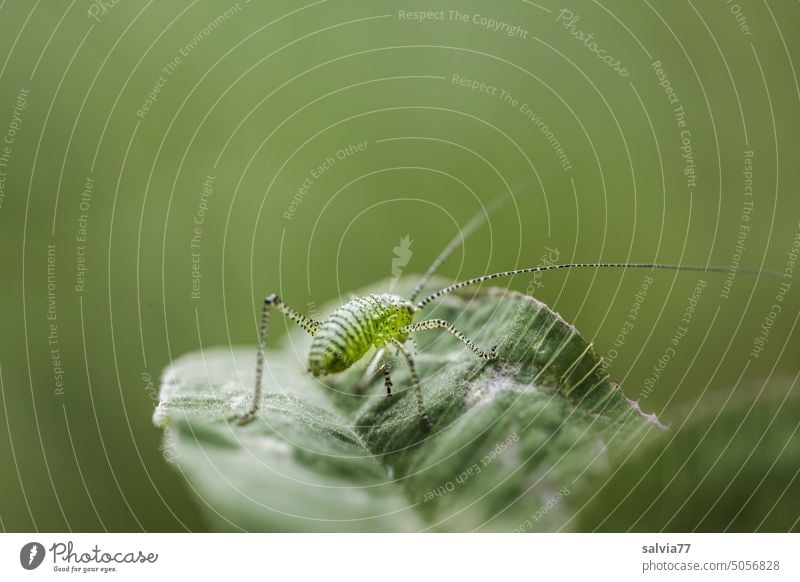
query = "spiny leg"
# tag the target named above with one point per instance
(307, 324)
(372, 371)
(415, 383)
(387, 381)
(376, 366)
(443, 324)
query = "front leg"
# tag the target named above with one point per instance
(377, 365)
(309, 325)
(387, 381)
(443, 324)
(371, 373)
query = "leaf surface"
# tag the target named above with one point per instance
(512, 438)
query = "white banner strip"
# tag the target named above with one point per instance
(389, 557)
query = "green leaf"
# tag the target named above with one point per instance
(510, 441)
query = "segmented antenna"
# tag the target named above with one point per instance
(473, 224)
(706, 269)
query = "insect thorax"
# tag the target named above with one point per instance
(346, 335)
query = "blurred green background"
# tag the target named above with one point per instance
(252, 98)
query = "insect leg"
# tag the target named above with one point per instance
(387, 381)
(372, 371)
(415, 383)
(443, 324)
(307, 324)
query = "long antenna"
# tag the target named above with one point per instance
(476, 221)
(710, 269)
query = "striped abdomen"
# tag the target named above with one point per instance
(346, 335)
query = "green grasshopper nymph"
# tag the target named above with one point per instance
(386, 322)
